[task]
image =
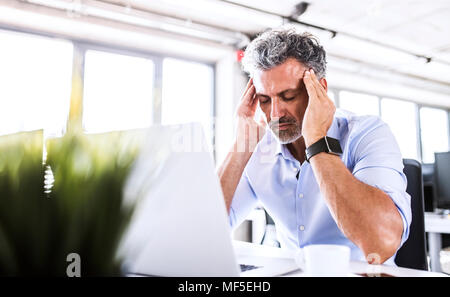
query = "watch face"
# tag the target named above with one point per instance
(334, 146)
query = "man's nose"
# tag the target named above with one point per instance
(276, 110)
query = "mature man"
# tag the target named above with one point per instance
(315, 193)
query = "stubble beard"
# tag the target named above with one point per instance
(286, 136)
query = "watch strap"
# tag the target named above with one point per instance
(325, 144)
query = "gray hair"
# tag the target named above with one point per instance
(275, 46)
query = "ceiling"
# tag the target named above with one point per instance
(418, 26)
(404, 41)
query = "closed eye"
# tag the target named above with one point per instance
(264, 99)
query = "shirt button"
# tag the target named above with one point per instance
(300, 195)
(302, 228)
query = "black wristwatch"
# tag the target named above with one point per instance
(325, 144)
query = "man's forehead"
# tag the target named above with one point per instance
(278, 79)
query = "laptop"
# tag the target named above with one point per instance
(180, 226)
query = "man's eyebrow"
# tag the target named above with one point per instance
(298, 88)
(280, 93)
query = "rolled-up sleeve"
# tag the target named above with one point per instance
(244, 200)
(378, 163)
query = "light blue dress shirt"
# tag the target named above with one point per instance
(297, 207)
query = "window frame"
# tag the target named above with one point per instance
(378, 97)
(416, 120)
(36, 33)
(447, 110)
(337, 91)
(80, 47)
(158, 70)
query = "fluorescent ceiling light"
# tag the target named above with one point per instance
(206, 7)
(368, 52)
(144, 19)
(434, 70)
(25, 17)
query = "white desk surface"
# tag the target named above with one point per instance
(437, 223)
(250, 249)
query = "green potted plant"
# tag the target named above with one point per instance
(68, 203)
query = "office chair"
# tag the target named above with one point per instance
(413, 253)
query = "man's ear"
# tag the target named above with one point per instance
(324, 83)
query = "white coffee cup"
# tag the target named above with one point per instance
(324, 260)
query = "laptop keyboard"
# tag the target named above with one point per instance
(245, 267)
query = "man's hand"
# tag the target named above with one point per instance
(320, 111)
(249, 132)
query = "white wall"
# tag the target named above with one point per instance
(230, 83)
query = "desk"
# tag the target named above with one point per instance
(247, 249)
(435, 225)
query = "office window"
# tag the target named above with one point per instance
(434, 132)
(35, 78)
(403, 124)
(117, 92)
(188, 93)
(361, 104)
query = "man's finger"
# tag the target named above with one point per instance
(312, 93)
(247, 88)
(319, 88)
(247, 106)
(249, 98)
(249, 83)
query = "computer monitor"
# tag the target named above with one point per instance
(442, 179)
